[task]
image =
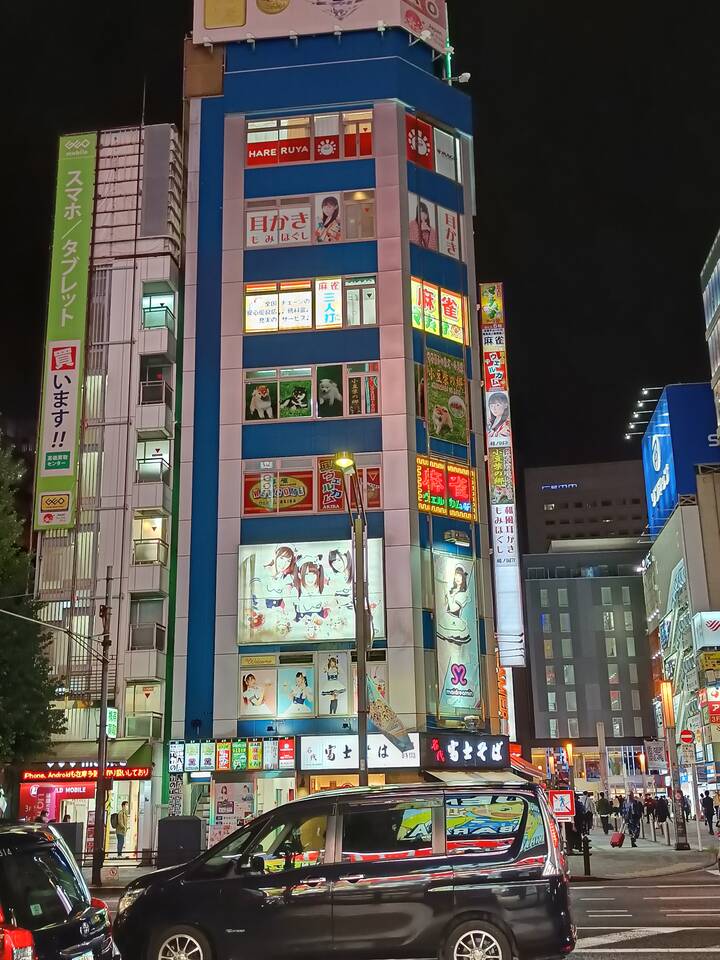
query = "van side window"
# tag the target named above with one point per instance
(290, 844)
(396, 832)
(494, 825)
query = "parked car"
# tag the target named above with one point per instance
(405, 871)
(46, 910)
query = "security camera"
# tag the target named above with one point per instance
(381, 26)
(464, 78)
(338, 31)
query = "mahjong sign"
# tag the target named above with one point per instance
(61, 405)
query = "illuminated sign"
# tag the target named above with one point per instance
(437, 311)
(458, 750)
(341, 753)
(223, 759)
(446, 489)
(510, 628)
(177, 756)
(559, 486)
(85, 773)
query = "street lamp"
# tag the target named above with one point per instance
(345, 462)
(668, 712)
(571, 764)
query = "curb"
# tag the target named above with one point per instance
(669, 870)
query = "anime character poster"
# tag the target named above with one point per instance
(334, 684)
(304, 592)
(456, 628)
(258, 692)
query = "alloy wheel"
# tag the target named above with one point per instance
(181, 946)
(477, 945)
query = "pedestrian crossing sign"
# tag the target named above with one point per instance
(562, 804)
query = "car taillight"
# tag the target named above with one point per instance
(16, 944)
(97, 904)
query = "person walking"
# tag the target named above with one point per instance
(632, 812)
(708, 809)
(604, 809)
(687, 809)
(590, 811)
(649, 807)
(716, 801)
(123, 820)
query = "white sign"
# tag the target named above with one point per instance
(448, 227)
(688, 754)
(60, 409)
(296, 310)
(341, 753)
(655, 753)
(508, 590)
(445, 154)
(261, 312)
(706, 630)
(328, 303)
(273, 227)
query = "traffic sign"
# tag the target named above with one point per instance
(688, 754)
(562, 804)
(687, 736)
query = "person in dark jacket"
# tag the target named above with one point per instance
(604, 809)
(632, 812)
(708, 809)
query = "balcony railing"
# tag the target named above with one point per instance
(143, 726)
(150, 551)
(155, 391)
(156, 317)
(147, 636)
(152, 470)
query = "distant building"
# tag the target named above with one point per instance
(710, 283)
(588, 500)
(589, 655)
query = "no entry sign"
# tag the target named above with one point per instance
(687, 736)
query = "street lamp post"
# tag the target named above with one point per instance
(668, 711)
(346, 463)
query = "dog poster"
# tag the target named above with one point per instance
(330, 390)
(446, 391)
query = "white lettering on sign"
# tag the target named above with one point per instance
(661, 486)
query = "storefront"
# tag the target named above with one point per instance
(462, 757)
(66, 788)
(332, 762)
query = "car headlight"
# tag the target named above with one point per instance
(129, 898)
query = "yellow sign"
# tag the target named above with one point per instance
(225, 13)
(259, 660)
(54, 502)
(710, 660)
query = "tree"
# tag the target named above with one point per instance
(27, 718)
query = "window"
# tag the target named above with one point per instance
(633, 672)
(544, 598)
(610, 648)
(359, 211)
(562, 596)
(638, 725)
(569, 674)
(615, 700)
(567, 648)
(628, 620)
(147, 610)
(565, 623)
(150, 539)
(321, 218)
(398, 831)
(291, 843)
(550, 676)
(548, 644)
(571, 701)
(617, 727)
(546, 623)
(606, 592)
(613, 673)
(493, 824)
(357, 133)
(327, 303)
(552, 701)
(636, 699)
(548, 506)
(573, 727)
(626, 596)
(336, 390)
(553, 728)
(631, 646)
(40, 887)
(152, 461)
(608, 621)
(158, 310)
(305, 139)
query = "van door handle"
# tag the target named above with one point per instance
(353, 877)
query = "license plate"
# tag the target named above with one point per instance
(88, 955)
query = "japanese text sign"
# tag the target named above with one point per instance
(446, 489)
(457, 750)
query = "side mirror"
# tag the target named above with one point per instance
(257, 863)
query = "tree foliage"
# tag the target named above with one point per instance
(27, 720)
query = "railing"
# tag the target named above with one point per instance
(158, 317)
(155, 391)
(143, 726)
(152, 470)
(147, 636)
(150, 551)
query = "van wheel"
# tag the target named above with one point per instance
(180, 943)
(477, 940)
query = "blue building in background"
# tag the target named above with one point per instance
(330, 304)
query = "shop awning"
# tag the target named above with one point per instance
(526, 769)
(477, 778)
(135, 753)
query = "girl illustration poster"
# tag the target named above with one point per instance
(423, 228)
(258, 693)
(498, 418)
(328, 224)
(457, 634)
(310, 604)
(334, 684)
(296, 687)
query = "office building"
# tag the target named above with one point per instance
(584, 501)
(710, 285)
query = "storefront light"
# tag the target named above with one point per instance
(668, 707)
(201, 775)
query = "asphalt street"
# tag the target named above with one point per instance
(674, 916)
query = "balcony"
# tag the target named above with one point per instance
(143, 726)
(158, 317)
(152, 470)
(155, 392)
(152, 485)
(150, 551)
(157, 335)
(145, 665)
(149, 578)
(147, 636)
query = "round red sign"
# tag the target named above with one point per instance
(687, 736)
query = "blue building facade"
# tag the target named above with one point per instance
(330, 305)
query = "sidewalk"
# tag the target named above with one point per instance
(116, 876)
(648, 859)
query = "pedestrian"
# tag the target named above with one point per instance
(649, 807)
(687, 810)
(604, 809)
(66, 818)
(662, 811)
(43, 818)
(632, 815)
(122, 825)
(708, 809)
(716, 800)
(590, 811)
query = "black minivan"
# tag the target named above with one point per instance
(428, 870)
(46, 910)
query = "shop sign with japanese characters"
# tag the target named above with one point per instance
(61, 403)
(464, 751)
(341, 753)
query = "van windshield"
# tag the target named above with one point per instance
(39, 887)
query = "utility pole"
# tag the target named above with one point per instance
(101, 790)
(361, 639)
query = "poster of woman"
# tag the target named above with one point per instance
(328, 221)
(456, 634)
(296, 692)
(334, 685)
(258, 693)
(423, 223)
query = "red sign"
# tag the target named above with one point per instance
(327, 147)
(372, 488)
(687, 736)
(223, 756)
(84, 774)
(265, 152)
(432, 486)
(286, 753)
(446, 489)
(419, 142)
(331, 498)
(462, 503)
(278, 493)
(562, 804)
(495, 364)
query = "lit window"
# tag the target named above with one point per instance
(606, 592)
(552, 701)
(548, 644)
(610, 648)
(553, 728)
(544, 598)
(571, 701)
(567, 648)
(628, 620)
(608, 621)
(573, 727)
(546, 623)
(565, 623)
(636, 699)
(615, 700)
(617, 725)
(569, 674)
(550, 676)
(613, 673)
(631, 646)
(562, 596)
(633, 672)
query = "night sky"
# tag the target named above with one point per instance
(598, 182)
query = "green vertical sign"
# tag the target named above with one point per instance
(61, 403)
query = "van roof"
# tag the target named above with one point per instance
(404, 789)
